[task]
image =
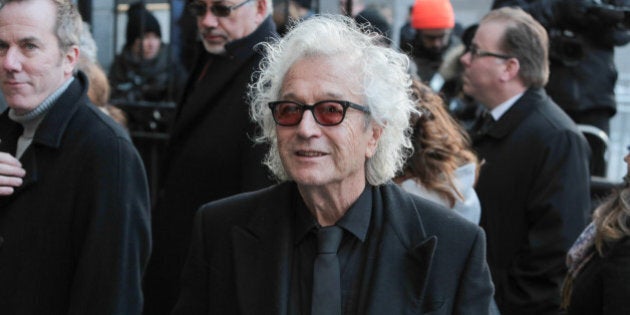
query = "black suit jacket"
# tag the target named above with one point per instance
(534, 193)
(429, 260)
(75, 237)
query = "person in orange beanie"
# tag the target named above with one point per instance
(433, 22)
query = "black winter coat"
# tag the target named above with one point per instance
(211, 155)
(534, 193)
(75, 237)
(602, 285)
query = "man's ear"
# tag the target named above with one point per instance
(70, 59)
(376, 132)
(261, 8)
(512, 67)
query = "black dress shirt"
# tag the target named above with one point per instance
(352, 253)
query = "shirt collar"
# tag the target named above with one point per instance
(498, 111)
(356, 220)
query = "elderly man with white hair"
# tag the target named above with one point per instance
(336, 236)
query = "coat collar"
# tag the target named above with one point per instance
(51, 130)
(522, 108)
(263, 251)
(221, 79)
(242, 48)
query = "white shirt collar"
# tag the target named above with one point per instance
(498, 111)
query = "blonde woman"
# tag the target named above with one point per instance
(599, 261)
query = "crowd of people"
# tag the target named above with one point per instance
(311, 168)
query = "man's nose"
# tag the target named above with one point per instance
(11, 60)
(438, 43)
(308, 127)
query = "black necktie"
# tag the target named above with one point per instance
(486, 122)
(326, 274)
(9, 137)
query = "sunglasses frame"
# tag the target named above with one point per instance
(306, 107)
(195, 8)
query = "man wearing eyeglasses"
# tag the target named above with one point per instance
(584, 35)
(336, 236)
(211, 153)
(534, 183)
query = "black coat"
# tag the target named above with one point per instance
(534, 193)
(602, 286)
(211, 155)
(75, 237)
(243, 246)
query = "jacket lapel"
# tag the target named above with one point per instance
(50, 132)
(394, 282)
(263, 256)
(221, 78)
(403, 257)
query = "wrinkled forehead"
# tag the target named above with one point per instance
(335, 76)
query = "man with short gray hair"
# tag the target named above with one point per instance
(210, 154)
(534, 183)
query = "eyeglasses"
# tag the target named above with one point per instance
(199, 9)
(478, 53)
(326, 113)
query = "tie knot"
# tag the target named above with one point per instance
(485, 123)
(488, 118)
(328, 239)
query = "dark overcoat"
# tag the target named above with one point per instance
(75, 237)
(535, 200)
(211, 155)
(602, 285)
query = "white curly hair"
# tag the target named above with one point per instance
(381, 72)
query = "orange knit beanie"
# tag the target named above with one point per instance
(432, 14)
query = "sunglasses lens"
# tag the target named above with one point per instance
(287, 114)
(220, 10)
(328, 113)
